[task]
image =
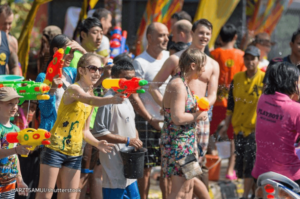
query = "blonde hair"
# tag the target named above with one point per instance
(84, 61)
(189, 56)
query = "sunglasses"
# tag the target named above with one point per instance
(93, 68)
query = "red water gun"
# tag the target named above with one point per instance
(55, 66)
(125, 86)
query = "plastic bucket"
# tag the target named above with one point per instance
(223, 149)
(213, 163)
(133, 161)
(6, 78)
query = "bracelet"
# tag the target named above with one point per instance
(128, 141)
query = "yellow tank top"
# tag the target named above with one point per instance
(67, 132)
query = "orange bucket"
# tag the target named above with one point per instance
(213, 163)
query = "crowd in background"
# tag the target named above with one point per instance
(250, 99)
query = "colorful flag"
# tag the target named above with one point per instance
(86, 6)
(267, 14)
(24, 39)
(217, 12)
(156, 11)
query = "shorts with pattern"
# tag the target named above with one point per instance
(151, 141)
(7, 190)
(202, 135)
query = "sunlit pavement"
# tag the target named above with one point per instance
(215, 192)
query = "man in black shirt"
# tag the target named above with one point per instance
(293, 58)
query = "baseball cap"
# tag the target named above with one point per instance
(8, 93)
(51, 32)
(252, 50)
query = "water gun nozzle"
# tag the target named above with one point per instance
(143, 82)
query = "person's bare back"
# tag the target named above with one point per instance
(205, 80)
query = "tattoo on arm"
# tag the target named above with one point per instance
(13, 63)
(13, 44)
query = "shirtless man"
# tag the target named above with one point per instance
(207, 82)
(9, 44)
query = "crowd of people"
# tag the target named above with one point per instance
(253, 102)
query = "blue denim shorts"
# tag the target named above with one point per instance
(57, 159)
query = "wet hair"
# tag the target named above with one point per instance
(101, 13)
(203, 22)
(84, 61)
(122, 56)
(294, 36)
(181, 15)
(189, 56)
(6, 10)
(88, 24)
(227, 33)
(121, 65)
(283, 78)
(59, 41)
(179, 46)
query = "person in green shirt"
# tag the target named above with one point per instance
(10, 172)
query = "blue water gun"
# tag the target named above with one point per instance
(118, 42)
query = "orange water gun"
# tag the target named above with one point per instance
(202, 103)
(29, 136)
(55, 66)
(125, 86)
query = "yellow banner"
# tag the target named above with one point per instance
(24, 39)
(217, 12)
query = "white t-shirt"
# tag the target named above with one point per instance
(263, 63)
(146, 67)
(104, 48)
(116, 119)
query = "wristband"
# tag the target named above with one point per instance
(86, 171)
(128, 141)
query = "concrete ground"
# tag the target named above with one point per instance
(215, 193)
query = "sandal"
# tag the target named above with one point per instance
(231, 177)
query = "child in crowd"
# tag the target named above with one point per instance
(115, 123)
(64, 154)
(48, 108)
(25, 114)
(10, 172)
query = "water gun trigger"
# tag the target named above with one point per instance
(46, 142)
(122, 91)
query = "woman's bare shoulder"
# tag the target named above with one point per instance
(175, 84)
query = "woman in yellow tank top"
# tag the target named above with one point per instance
(64, 155)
